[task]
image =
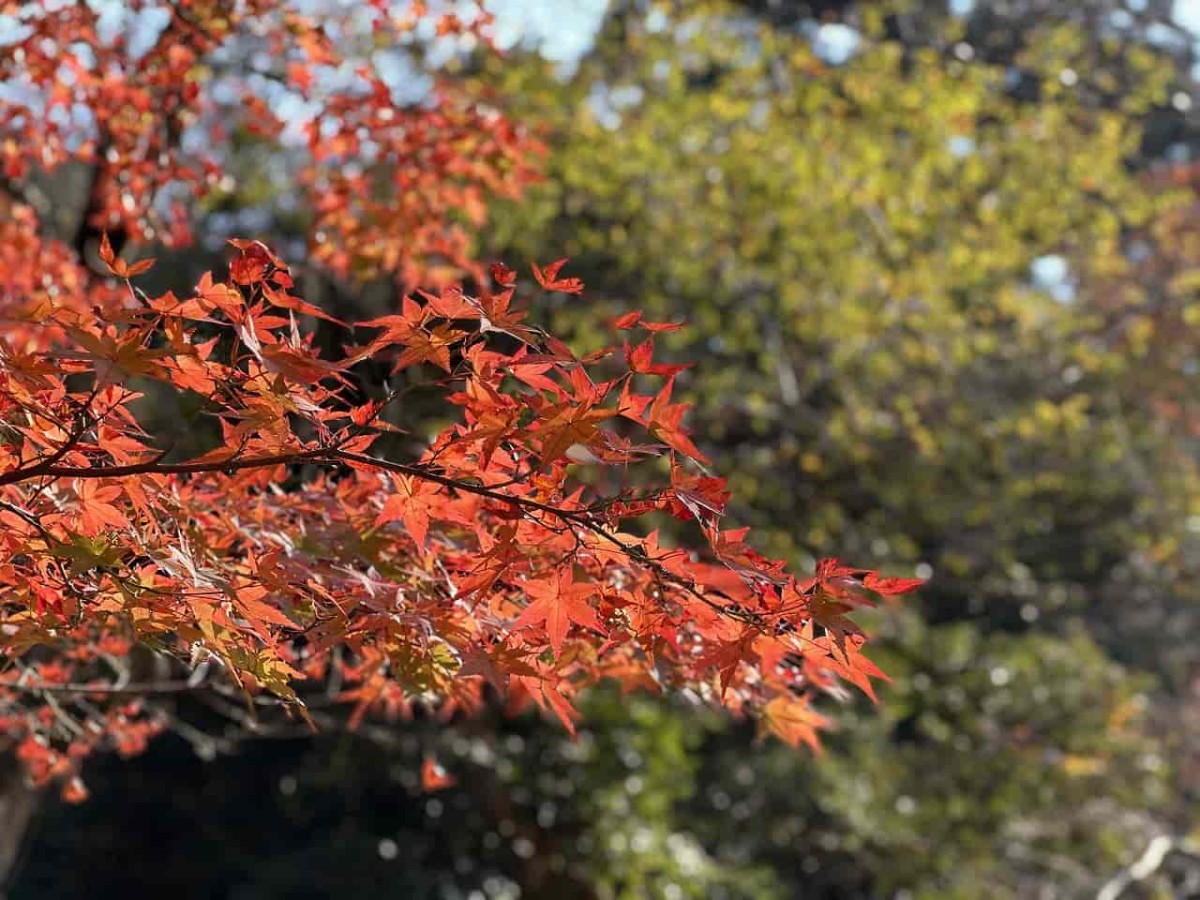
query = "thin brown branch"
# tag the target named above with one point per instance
(335, 456)
(136, 688)
(156, 467)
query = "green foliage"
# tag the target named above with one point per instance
(852, 250)
(857, 252)
(999, 762)
(641, 760)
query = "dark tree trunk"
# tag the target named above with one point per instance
(18, 802)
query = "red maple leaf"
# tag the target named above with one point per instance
(503, 275)
(634, 320)
(410, 504)
(548, 278)
(890, 587)
(666, 424)
(434, 776)
(255, 262)
(556, 604)
(641, 359)
(97, 510)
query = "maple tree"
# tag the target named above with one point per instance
(516, 553)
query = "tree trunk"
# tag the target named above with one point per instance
(18, 802)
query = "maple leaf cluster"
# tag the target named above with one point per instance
(388, 183)
(514, 555)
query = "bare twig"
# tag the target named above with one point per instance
(1151, 860)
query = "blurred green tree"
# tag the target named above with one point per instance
(894, 269)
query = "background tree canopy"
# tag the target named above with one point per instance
(939, 262)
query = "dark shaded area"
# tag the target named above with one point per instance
(295, 818)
